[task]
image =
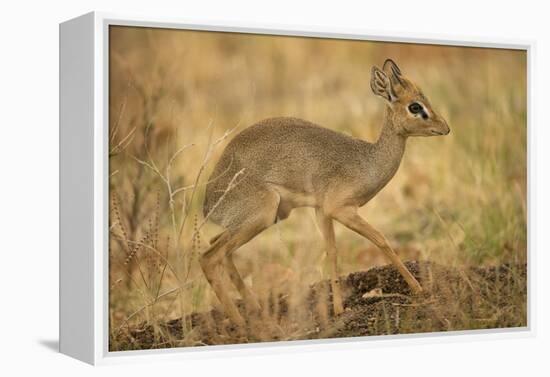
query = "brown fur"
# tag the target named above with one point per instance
(282, 163)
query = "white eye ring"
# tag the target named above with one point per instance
(417, 109)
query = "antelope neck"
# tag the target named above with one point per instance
(388, 150)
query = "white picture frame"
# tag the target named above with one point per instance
(84, 190)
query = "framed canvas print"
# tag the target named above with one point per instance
(234, 189)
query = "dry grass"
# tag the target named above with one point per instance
(177, 97)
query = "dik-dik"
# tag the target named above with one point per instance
(283, 163)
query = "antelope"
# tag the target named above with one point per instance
(279, 164)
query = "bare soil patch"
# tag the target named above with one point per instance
(377, 302)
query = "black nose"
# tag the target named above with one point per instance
(447, 125)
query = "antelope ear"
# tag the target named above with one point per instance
(391, 68)
(380, 85)
(394, 73)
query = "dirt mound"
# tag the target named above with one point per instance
(377, 302)
(475, 298)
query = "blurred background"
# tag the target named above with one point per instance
(177, 98)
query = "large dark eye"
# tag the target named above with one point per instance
(415, 108)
